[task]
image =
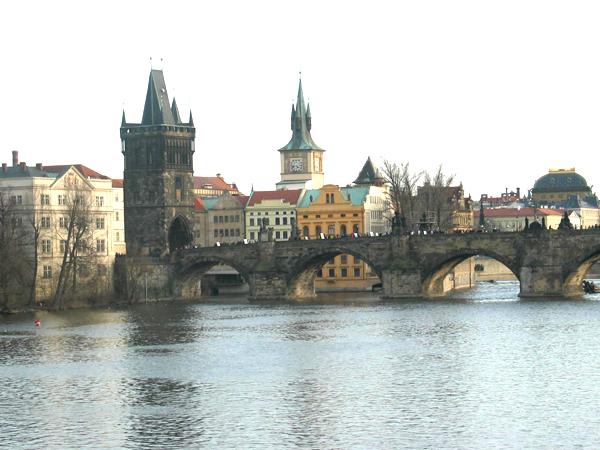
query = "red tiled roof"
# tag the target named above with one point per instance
(117, 183)
(84, 170)
(515, 212)
(288, 196)
(243, 199)
(199, 204)
(215, 182)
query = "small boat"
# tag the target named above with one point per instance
(590, 287)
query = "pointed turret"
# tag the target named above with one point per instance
(175, 112)
(369, 175)
(191, 121)
(123, 121)
(157, 110)
(301, 124)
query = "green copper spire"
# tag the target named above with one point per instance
(301, 125)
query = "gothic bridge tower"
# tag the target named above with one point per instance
(158, 175)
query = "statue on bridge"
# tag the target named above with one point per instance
(265, 234)
(565, 222)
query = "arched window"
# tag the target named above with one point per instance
(178, 189)
(355, 228)
(305, 231)
(342, 230)
(318, 230)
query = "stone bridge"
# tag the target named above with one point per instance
(547, 263)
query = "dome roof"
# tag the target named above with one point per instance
(561, 181)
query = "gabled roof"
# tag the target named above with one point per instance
(301, 123)
(286, 196)
(117, 183)
(369, 174)
(214, 182)
(355, 194)
(83, 170)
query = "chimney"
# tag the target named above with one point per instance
(23, 166)
(519, 192)
(4, 169)
(15, 158)
(38, 166)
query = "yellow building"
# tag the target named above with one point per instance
(331, 213)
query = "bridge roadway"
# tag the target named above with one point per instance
(547, 263)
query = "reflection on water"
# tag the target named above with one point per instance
(479, 369)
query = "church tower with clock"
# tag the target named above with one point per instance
(301, 158)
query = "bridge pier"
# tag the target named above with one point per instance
(268, 286)
(544, 281)
(401, 283)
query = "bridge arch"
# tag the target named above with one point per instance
(189, 274)
(576, 273)
(302, 275)
(180, 233)
(436, 272)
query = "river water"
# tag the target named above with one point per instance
(477, 370)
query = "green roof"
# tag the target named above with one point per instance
(561, 181)
(355, 194)
(210, 202)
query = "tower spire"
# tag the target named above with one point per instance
(175, 112)
(123, 121)
(301, 124)
(157, 110)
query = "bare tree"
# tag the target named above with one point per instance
(436, 200)
(15, 267)
(76, 237)
(401, 191)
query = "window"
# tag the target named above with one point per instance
(251, 222)
(221, 232)
(356, 259)
(357, 272)
(47, 272)
(99, 223)
(100, 245)
(305, 231)
(285, 221)
(118, 237)
(332, 273)
(320, 273)
(237, 232)
(344, 259)
(117, 216)
(252, 235)
(331, 230)
(285, 234)
(63, 222)
(99, 201)
(318, 230)
(178, 189)
(63, 246)
(344, 272)
(46, 245)
(226, 232)
(343, 230)
(116, 197)
(226, 219)
(237, 218)
(277, 235)
(266, 222)
(45, 223)
(45, 199)
(220, 219)
(277, 222)
(216, 233)
(355, 228)
(216, 219)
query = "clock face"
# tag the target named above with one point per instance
(296, 165)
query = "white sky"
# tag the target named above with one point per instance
(495, 91)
